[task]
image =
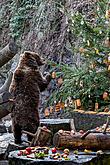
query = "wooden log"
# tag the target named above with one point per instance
(93, 141)
(7, 83)
(5, 104)
(7, 53)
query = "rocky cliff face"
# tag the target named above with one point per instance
(41, 26)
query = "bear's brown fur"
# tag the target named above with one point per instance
(26, 86)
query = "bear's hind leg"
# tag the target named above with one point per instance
(17, 134)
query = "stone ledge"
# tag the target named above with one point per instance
(56, 124)
(88, 119)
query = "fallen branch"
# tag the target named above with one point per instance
(7, 53)
(6, 104)
(7, 83)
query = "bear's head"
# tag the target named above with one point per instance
(31, 59)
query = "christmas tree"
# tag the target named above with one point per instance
(89, 82)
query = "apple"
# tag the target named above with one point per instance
(26, 153)
(66, 151)
(29, 149)
(20, 153)
(81, 132)
(54, 150)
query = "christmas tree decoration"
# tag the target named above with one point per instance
(53, 75)
(109, 68)
(62, 105)
(107, 42)
(51, 109)
(96, 51)
(82, 50)
(96, 106)
(105, 95)
(60, 81)
(109, 58)
(57, 107)
(65, 104)
(105, 61)
(88, 42)
(107, 15)
(46, 112)
(81, 84)
(78, 102)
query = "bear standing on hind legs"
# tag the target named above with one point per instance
(26, 86)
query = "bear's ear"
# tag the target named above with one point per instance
(27, 54)
(34, 55)
(40, 61)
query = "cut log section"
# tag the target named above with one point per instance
(94, 141)
(7, 53)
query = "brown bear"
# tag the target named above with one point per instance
(26, 86)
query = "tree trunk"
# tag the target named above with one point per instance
(94, 141)
(7, 53)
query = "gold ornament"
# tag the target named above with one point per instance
(93, 65)
(81, 50)
(96, 106)
(107, 42)
(60, 81)
(88, 42)
(109, 68)
(105, 61)
(77, 103)
(59, 106)
(107, 15)
(109, 58)
(96, 51)
(51, 109)
(53, 75)
(46, 112)
(105, 95)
